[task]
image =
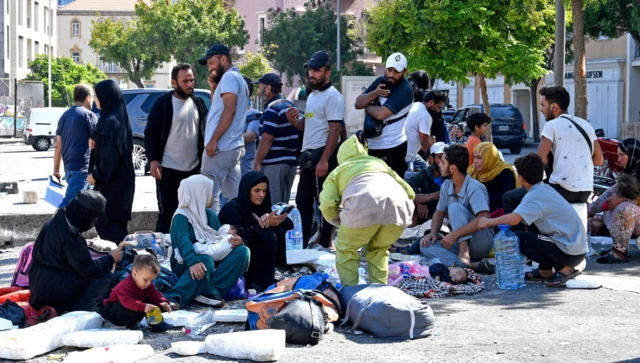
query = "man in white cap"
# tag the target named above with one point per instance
(389, 99)
(426, 183)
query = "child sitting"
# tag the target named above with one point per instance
(452, 274)
(136, 296)
(217, 248)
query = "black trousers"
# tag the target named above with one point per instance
(394, 157)
(543, 250)
(167, 194)
(118, 315)
(112, 229)
(309, 188)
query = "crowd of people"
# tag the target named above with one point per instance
(219, 171)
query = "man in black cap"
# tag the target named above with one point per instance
(224, 145)
(322, 126)
(277, 153)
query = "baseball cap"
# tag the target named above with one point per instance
(214, 50)
(270, 79)
(438, 148)
(318, 60)
(397, 61)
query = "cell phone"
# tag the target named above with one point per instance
(384, 82)
(288, 209)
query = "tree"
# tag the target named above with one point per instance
(291, 37)
(580, 62)
(612, 18)
(452, 39)
(65, 75)
(254, 66)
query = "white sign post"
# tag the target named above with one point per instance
(352, 87)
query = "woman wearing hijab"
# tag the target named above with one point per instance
(194, 222)
(260, 228)
(496, 175)
(62, 273)
(621, 218)
(113, 174)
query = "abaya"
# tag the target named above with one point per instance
(267, 245)
(114, 173)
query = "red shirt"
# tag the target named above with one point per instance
(133, 298)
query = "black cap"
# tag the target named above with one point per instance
(270, 79)
(318, 60)
(214, 50)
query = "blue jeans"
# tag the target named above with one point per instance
(76, 182)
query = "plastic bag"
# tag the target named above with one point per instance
(200, 324)
(12, 312)
(411, 268)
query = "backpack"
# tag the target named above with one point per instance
(387, 312)
(304, 320)
(21, 274)
(165, 281)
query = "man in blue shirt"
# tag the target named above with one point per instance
(72, 142)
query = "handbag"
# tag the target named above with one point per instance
(310, 158)
(549, 167)
(373, 128)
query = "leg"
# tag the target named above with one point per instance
(347, 257)
(111, 230)
(621, 230)
(161, 217)
(229, 271)
(216, 168)
(275, 174)
(169, 185)
(304, 202)
(481, 244)
(325, 228)
(231, 183)
(511, 199)
(446, 256)
(290, 176)
(377, 252)
(543, 250)
(76, 182)
(262, 267)
(121, 316)
(98, 289)
(187, 289)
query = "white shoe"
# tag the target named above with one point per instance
(211, 300)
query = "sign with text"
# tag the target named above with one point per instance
(589, 75)
(352, 87)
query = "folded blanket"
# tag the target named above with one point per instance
(428, 287)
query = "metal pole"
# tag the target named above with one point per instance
(338, 50)
(15, 107)
(559, 51)
(50, 30)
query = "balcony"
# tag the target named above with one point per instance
(110, 68)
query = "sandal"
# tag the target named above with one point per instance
(612, 258)
(485, 267)
(534, 275)
(559, 279)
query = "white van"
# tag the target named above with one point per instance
(41, 126)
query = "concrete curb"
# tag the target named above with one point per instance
(11, 140)
(18, 230)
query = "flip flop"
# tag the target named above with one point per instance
(534, 275)
(609, 258)
(559, 279)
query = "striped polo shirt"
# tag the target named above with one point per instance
(285, 136)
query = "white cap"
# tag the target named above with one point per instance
(438, 148)
(397, 61)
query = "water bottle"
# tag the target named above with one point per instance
(200, 324)
(405, 270)
(508, 259)
(294, 236)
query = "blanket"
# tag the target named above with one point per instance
(428, 287)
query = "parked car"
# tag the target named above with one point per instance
(448, 114)
(508, 128)
(138, 102)
(41, 127)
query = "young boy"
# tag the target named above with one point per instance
(477, 123)
(136, 296)
(560, 242)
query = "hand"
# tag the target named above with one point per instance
(421, 199)
(212, 145)
(165, 306)
(198, 271)
(448, 241)
(91, 180)
(428, 240)
(235, 241)
(381, 92)
(423, 211)
(92, 144)
(149, 308)
(292, 114)
(56, 173)
(483, 223)
(257, 167)
(116, 254)
(212, 84)
(275, 220)
(322, 168)
(156, 169)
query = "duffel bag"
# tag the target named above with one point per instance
(303, 319)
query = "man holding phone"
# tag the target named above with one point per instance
(389, 99)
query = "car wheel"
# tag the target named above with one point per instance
(139, 156)
(515, 149)
(42, 144)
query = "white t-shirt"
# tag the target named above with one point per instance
(322, 107)
(181, 151)
(418, 122)
(572, 163)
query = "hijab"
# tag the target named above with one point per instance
(85, 209)
(114, 120)
(631, 147)
(493, 165)
(248, 181)
(194, 194)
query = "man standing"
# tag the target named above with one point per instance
(322, 126)
(276, 155)
(225, 124)
(251, 132)
(389, 99)
(173, 140)
(72, 142)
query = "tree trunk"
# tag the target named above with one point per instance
(535, 115)
(579, 68)
(138, 82)
(485, 104)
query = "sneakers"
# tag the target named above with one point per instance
(213, 300)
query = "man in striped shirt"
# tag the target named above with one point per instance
(276, 155)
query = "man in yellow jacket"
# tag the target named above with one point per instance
(371, 204)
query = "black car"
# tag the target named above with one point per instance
(508, 128)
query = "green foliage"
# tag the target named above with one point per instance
(65, 75)
(612, 18)
(291, 37)
(254, 66)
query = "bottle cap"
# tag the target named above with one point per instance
(338, 286)
(504, 227)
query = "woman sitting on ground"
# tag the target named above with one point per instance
(194, 222)
(496, 175)
(621, 219)
(261, 229)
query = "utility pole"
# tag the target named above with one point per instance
(338, 50)
(50, 30)
(558, 62)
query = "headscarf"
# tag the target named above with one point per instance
(248, 181)
(631, 147)
(114, 120)
(85, 209)
(194, 194)
(493, 165)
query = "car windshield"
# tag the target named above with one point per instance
(505, 112)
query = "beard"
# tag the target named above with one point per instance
(219, 72)
(183, 93)
(315, 83)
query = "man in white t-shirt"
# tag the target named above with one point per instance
(418, 127)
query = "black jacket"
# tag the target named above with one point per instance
(159, 123)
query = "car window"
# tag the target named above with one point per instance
(205, 98)
(127, 97)
(505, 112)
(146, 105)
(457, 116)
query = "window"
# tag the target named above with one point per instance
(36, 17)
(29, 14)
(51, 23)
(75, 28)
(146, 105)
(36, 48)
(20, 52)
(262, 18)
(29, 54)
(46, 20)
(46, 49)
(52, 52)
(20, 6)
(76, 57)
(8, 38)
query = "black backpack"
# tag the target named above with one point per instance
(304, 320)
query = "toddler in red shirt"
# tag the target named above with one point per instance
(136, 296)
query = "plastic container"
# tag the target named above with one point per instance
(294, 236)
(508, 259)
(200, 324)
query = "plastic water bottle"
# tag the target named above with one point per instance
(294, 236)
(200, 324)
(405, 270)
(508, 259)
